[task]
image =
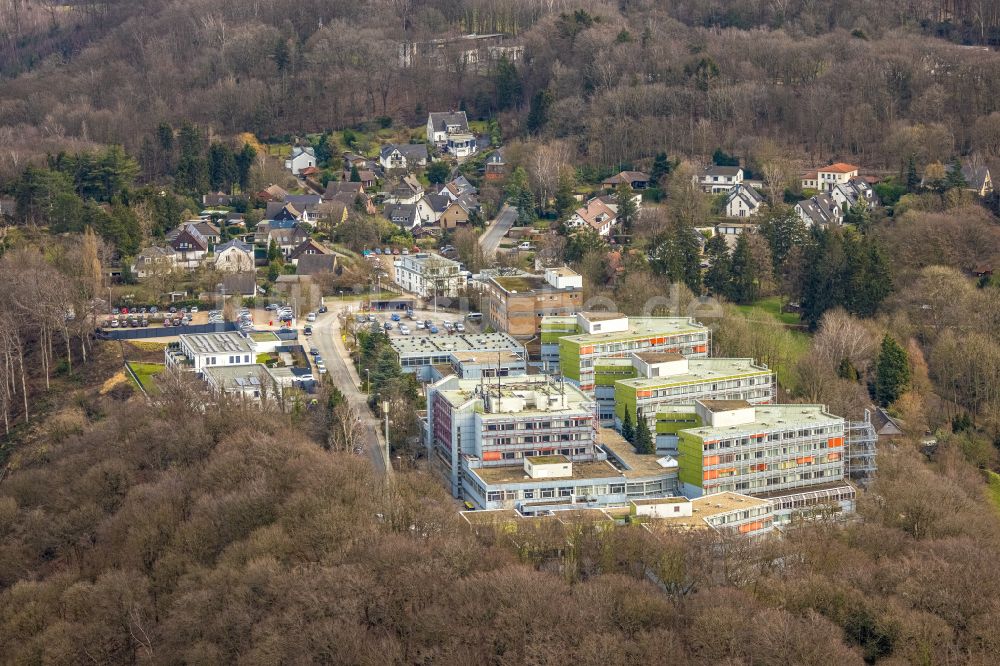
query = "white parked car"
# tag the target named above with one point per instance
(311, 316)
(404, 330)
(460, 327)
(420, 325)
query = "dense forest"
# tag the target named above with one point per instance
(875, 82)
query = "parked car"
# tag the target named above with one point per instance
(271, 307)
(434, 329)
(144, 323)
(428, 323)
(421, 325)
(172, 309)
(314, 351)
(378, 250)
(166, 322)
(405, 251)
(194, 309)
(459, 327)
(311, 316)
(448, 326)
(114, 323)
(395, 316)
(404, 329)
(153, 310)
(320, 363)
(474, 317)
(308, 330)
(322, 370)
(387, 326)
(323, 309)
(396, 251)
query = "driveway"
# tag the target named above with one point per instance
(490, 239)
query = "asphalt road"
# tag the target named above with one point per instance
(326, 338)
(490, 239)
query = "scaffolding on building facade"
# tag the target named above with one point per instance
(861, 439)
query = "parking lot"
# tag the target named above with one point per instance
(417, 325)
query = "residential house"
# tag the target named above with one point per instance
(367, 177)
(154, 261)
(461, 145)
(348, 193)
(595, 214)
(279, 211)
(743, 201)
(977, 179)
(429, 274)
(287, 239)
(849, 193)
(301, 158)
(496, 167)
(272, 193)
(338, 187)
(305, 204)
(886, 427)
(719, 179)
(234, 256)
(260, 236)
(826, 178)
(637, 180)
(403, 215)
(407, 190)
(403, 156)
(431, 207)
(457, 213)
(440, 125)
(311, 264)
(458, 187)
(306, 247)
(819, 210)
(214, 199)
(332, 212)
(208, 231)
(242, 284)
(190, 246)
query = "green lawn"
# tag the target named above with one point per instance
(993, 487)
(145, 372)
(772, 306)
(800, 339)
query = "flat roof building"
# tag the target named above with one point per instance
(610, 335)
(429, 275)
(518, 302)
(519, 441)
(199, 351)
(766, 451)
(418, 353)
(671, 379)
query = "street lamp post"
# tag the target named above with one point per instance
(385, 411)
(369, 374)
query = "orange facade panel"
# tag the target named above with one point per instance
(805, 460)
(491, 455)
(644, 394)
(834, 442)
(586, 350)
(709, 474)
(751, 527)
(710, 460)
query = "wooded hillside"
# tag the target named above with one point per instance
(623, 81)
